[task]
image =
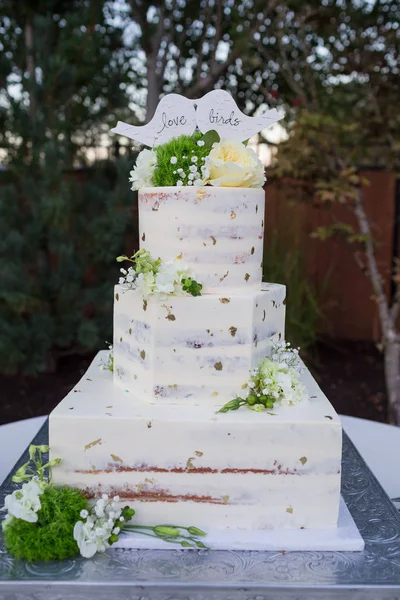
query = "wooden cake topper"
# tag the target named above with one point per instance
(217, 110)
(176, 115)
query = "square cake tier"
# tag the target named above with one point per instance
(188, 464)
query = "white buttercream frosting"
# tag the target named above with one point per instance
(217, 232)
(241, 470)
(194, 350)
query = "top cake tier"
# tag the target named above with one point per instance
(217, 232)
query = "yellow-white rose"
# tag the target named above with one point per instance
(231, 164)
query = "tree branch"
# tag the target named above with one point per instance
(372, 269)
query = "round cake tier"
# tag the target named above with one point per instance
(217, 232)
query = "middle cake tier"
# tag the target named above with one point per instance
(194, 350)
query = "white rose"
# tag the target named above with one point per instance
(231, 164)
(142, 174)
(25, 503)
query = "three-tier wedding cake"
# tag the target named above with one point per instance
(200, 411)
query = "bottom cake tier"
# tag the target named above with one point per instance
(240, 470)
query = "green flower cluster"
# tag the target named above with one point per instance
(142, 261)
(177, 158)
(191, 286)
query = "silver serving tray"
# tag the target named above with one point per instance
(228, 575)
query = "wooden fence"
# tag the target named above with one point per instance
(345, 293)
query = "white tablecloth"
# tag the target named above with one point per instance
(379, 444)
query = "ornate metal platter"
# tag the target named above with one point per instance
(229, 575)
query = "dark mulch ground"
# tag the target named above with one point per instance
(350, 374)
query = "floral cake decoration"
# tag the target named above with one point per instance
(197, 143)
(44, 521)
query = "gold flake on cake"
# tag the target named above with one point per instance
(116, 458)
(223, 277)
(233, 331)
(224, 300)
(303, 460)
(246, 277)
(201, 194)
(214, 241)
(198, 453)
(179, 257)
(144, 304)
(117, 296)
(233, 214)
(225, 499)
(218, 366)
(142, 354)
(289, 510)
(189, 463)
(143, 237)
(94, 443)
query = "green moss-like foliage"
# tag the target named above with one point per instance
(51, 537)
(183, 148)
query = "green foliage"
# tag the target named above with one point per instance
(35, 467)
(183, 148)
(284, 263)
(59, 235)
(191, 286)
(51, 537)
(142, 261)
(343, 230)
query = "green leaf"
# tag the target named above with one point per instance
(210, 138)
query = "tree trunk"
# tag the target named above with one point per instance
(153, 90)
(392, 378)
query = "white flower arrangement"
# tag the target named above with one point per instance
(151, 277)
(142, 173)
(275, 381)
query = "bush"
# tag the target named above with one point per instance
(59, 236)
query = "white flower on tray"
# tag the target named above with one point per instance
(142, 174)
(25, 503)
(93, 535)
(232, 164)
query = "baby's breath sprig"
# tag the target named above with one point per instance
(276, 380)
(108, 364)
